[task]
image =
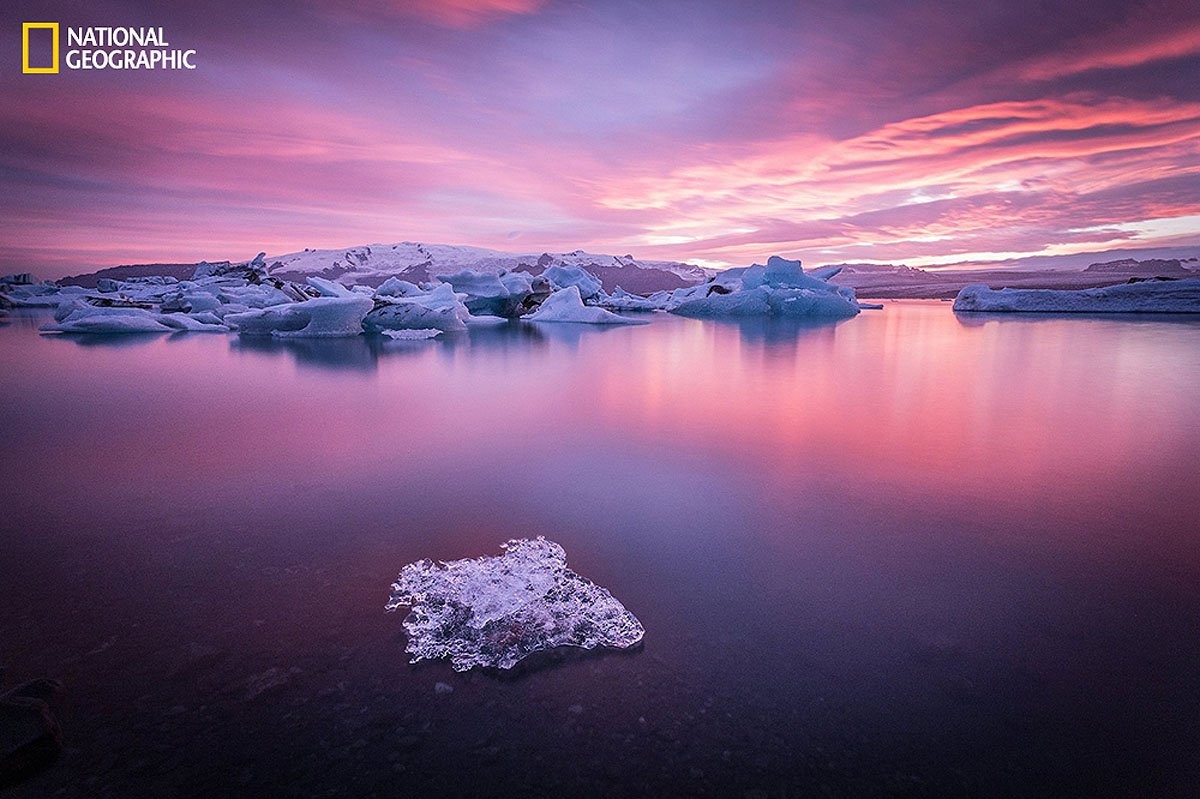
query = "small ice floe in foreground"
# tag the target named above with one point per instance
(412, 335)
(566, 305)
(495, 611)
(1144, 296)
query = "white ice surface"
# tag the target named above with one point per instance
(1148, 296)
(412, 335)
(440, 308)
(76, 316)
(567, 306)
(495, 611)
(322, 317)
(780, 288)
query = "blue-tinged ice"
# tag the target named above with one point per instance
(441, 309)
(780, 288)
(323, 317)
(562, 277)
(567, 306)
(1146, 296)
(494, 611)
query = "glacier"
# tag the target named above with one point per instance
(1144, 296)
(494, 611)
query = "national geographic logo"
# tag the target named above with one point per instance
(26, 67)
(99, 47)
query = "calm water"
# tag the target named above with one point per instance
(908, 554)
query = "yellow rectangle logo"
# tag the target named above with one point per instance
(26, 27)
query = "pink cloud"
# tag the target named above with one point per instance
(1115, 52)
(450, 13)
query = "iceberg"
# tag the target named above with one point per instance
(1143, 296)
(327, 288)
(508, 294)
(441, 309)
(621, 300)
(80, 317)
(395, 287)
(562, 277)
(495, 611)
(780, 288)
(321, 317)
(567, 306)
(40, 295)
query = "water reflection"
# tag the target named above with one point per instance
(890, 543)
(981, 318)
(112, 340)
(777, 330)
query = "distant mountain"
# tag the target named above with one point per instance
(877, 269)
(413, 261)
(1077, 262)
(371, 264)
(88, 281)
(880, 281)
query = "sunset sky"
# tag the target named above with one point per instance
(714, 132)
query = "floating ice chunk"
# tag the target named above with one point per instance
(122, 323)
(825, 272)
(567, 306)
(254, 296)
(764, 301)
(191, 301)
(521, 282)
(476, 284)
(509, 294)
(621, 300)
(395, 287)
(485, 320)
(781, 288)
(80, 317)
(190, 323)
(562, 277)
(440, 308)
(412, 335)
(208, 318)
(40, 295)
(323, 317)
(495, 611)
(411, 316)
(327, 288)
(1147, 296)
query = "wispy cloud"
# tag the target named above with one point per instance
(693, 130)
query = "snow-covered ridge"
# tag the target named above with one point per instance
(371, 264)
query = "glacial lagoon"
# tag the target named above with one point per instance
(911, 553)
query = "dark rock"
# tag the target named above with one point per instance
(30, 737)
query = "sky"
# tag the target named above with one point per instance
(905, 131)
